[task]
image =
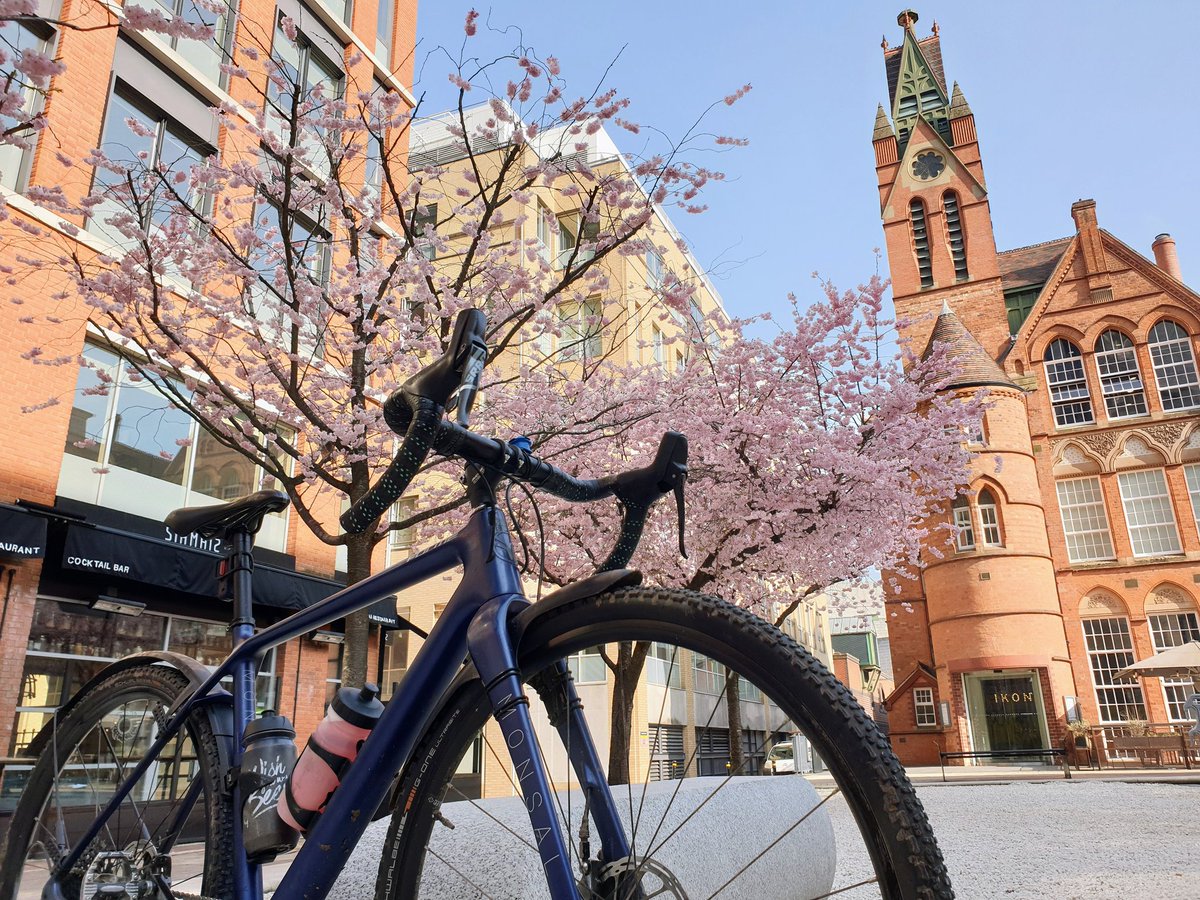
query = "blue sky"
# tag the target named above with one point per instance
(1071, 99)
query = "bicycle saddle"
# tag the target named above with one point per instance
(243, 514)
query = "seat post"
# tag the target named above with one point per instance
(239, 574)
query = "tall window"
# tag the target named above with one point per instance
(573, 230)
(989, 519)
(926, 712)
(1192, 474)
(664, 663)
(964, 539)
(916, 212)
(1120, 378)
(424, 226)
(270, 299)
(658, 345)
(160, 142)
(385, 20)
(1148, 513)
(1109, 650)
(15, 160)
(1085, 521)
(582, 326)
(1168, 631)
(402, 538)
(208, 55)
(543, 231)
(1174, 366)
(1068, 385)
(954, 233)
(654, 270)
(587, 666)
(132, 449)
(708, 675)
(309, 78)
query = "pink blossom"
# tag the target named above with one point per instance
(737, 95)
(469, 27)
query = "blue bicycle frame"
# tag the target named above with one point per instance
(475, 623)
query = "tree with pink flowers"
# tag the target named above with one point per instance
(279, 291)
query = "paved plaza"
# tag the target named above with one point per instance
(1099, 840)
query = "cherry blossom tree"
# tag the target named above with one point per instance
(280, 290)
(815, 457)
(26, 71)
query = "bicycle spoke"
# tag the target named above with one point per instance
(449, 865)
(849, 887)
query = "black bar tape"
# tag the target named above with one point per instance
(632, 523)
(413, 450)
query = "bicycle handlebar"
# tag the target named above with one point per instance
(416, 411)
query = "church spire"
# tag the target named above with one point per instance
(916, 82)
(883, 128)
(958, 104)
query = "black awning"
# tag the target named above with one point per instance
(22, 533)
(112, 554)
(383, 613)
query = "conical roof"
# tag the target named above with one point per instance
(958, 104)
(975, 367)
(883, 128)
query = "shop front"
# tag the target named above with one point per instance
(1006, 711)
(113, 584)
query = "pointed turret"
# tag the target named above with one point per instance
(883, 128)
(958, 103)
(975, 367)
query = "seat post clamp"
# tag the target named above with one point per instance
(227, 567)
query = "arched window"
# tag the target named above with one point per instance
(916, 212)
(964, 539)
(1120, 377)
(1068, 385)
(1174, 366)
(954, 233)
(989, 519)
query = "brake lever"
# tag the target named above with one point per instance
(468, 388)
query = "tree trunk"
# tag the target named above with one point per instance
(631, 659)
(737, 755)
(358, 627)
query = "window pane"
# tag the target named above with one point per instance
(1148, 513)
(89, 412)
(1110, 649)
(1069, 393)
(1168, 631)
(220, 471)
(75, 629)
(1174, 366)
(13, 158)
(1085, 521)
(204, 55)
(383, 30)
(205, 642)
(147, 431)
(965, 538)
(1120, 378)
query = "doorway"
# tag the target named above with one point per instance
(1006, 711)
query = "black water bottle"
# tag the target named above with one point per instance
(269, 745)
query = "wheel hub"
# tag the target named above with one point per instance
(631, 879)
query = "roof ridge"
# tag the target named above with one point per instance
(1038, 244)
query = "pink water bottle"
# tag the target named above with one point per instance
(330, 749)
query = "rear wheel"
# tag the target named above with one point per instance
(705, 829)
(173, 830)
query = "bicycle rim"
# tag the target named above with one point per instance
(703, 820)
(172, 831)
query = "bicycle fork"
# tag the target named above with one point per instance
(491, 649)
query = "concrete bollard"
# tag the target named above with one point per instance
(744, 817)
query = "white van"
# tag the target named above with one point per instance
(781, 760)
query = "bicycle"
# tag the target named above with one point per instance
(164, 792)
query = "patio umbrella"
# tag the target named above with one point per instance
(1174, 661)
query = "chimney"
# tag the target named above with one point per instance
(1165, 256)
(1084, 214)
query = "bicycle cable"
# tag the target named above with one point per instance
(537, 513)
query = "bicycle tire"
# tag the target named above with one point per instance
(899, 839)
(154, 684)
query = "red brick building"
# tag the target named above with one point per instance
(1077, 549)
(88, 571)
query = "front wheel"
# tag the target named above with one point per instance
(171, 836)
(705, 691)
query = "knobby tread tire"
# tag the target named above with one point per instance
(167, 684)
(891, 818)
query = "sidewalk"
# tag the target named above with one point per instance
(932, 775)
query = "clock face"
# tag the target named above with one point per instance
(928, 165)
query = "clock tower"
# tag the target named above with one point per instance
(933, 198)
